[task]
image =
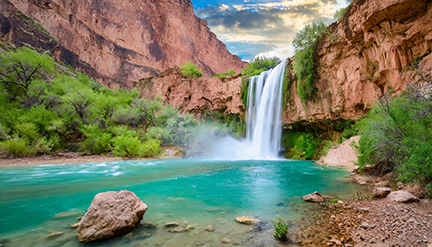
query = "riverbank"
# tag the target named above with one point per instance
(67, 158)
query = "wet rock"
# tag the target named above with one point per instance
(226, 240)
(199, 243)
(148, 224)
(66, 214)
(178, 229)
(210, 228)
(75, 225)
(190, 227)
(111, 214)
(314, 197)
(380, 192)
(171, 224)
(402, 196)
(248, 220)
(54, 234)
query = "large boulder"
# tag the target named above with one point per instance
(314, 197)
(381, 192)
(402, 196)
(111, 214)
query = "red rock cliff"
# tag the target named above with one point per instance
(128, 40)
(379, 46)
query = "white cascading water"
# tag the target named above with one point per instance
(264, 112)
(263, 120)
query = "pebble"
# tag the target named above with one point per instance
(226, 240)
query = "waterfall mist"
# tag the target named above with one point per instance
(263, 121)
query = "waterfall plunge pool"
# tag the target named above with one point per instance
(36, 201)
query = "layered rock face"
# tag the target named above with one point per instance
(194, 95)
(129, 40)
(368, 53)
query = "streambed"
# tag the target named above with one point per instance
(37, 201)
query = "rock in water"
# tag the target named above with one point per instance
(314, 197)
(381, 192)
(402, 196)
(111, 214)
(248, 220)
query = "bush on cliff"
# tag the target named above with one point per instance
(305, 44)
(229, 72)
(260, 64)
(190, 69)
(396, 136)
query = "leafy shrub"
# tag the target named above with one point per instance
(229, 72)
(260, 64)
(244, 90)
(280, 229)
(150, 148)
(98, 141)
(126, 146)
(396, 136)
(190, 69)
(17, 147)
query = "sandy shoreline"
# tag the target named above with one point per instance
(65, 160)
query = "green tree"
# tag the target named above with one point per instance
(18, 69)
(308, 35)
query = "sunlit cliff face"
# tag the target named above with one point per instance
(263, 27)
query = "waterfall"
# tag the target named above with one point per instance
(263, 121)
(264, 112)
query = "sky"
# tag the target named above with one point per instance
(263, 27)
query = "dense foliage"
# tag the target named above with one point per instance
(305, 44)
(396, 136)
(190, 69)
(260, 64)
(45, 106)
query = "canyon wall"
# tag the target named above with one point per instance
(194, 95)
(378, 47)
(124, 41)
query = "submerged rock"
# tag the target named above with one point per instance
(226, 240)
(54, 234)
(148, 224)
(111, 214)
(381, 192)
(75, 225)
(210, 228)
(171, 224)
(402, 196)
(248, 220)
(314, 197)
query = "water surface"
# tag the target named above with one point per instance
(36, 201)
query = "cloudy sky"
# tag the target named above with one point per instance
(263, 27)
